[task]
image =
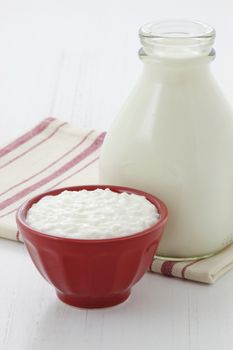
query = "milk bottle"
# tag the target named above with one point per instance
(174, 138)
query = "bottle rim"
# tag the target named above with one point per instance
(177, 38)
(177, 29)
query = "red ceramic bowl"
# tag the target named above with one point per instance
(92, 273)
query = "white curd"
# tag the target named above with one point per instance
(92, 214)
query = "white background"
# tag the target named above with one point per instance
(77, 60)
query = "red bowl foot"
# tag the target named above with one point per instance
(91, 303)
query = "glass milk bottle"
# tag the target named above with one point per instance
(174, 138)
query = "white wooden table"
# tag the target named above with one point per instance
(77, 61)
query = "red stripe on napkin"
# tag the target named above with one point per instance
(76, 172)
(17, 236)
(26, 137)
(166, 268)
(34, 146)
(84, 154)
(48, 166)
(187, 266)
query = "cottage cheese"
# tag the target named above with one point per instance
(92, 214)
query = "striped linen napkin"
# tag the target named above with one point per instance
(54, 154)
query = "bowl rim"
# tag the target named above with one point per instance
(158, 203)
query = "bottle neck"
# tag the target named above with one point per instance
(176, 46)
(176, 68)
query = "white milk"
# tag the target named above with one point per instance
(174, 138)
(93, 214)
